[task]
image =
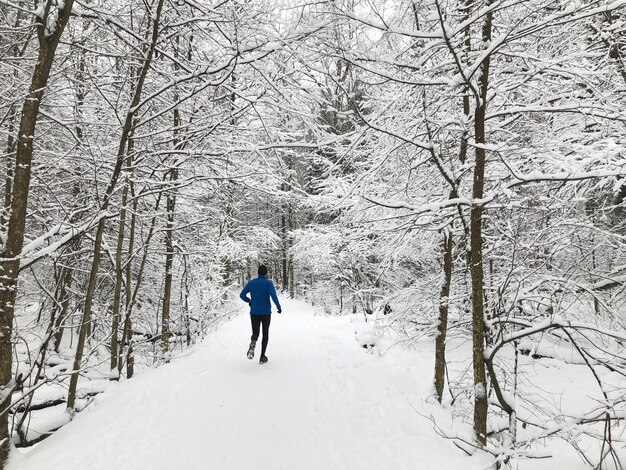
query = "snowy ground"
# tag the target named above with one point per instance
(322, 402)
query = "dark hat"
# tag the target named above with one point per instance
(262, 270)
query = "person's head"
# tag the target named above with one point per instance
(262, 270)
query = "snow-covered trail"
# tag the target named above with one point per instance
(322, 402)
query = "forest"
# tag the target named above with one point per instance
(450, 171)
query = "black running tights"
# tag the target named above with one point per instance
(257, 321)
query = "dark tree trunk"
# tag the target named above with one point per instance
(93, 275)
(169, 261)
(128, 326)
(476, 250)
(285, 247)
(67, 278)
(442, 327)
(292, 276)
(127, 334)
(10, 263)
(119, 273)
(448, 234)
(119, 269)
(169, 235)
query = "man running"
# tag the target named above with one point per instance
(260, 289)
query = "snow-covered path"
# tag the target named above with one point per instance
(321, 403)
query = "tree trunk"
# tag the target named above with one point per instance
(128, 271)
(292, 281)
(8, 182)
(283, 233)
(169, 261)
(11, 119)
(448, 234)
(63, 299)
(117, 291)
(10, 263)
(169, 234)
(127, 327)
(476, 253)
(185, 297)
(119, 269)
(442, 327)
(127, 335)
(126, 131)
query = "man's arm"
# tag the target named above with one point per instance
(243, 295)
(275, 297)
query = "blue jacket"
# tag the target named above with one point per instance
(260, 289)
